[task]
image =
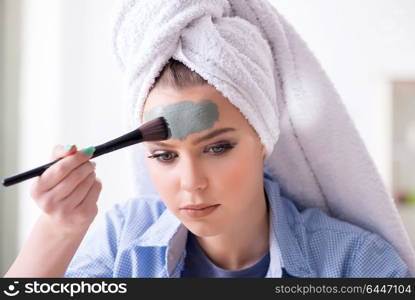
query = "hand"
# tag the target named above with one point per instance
(67, 192)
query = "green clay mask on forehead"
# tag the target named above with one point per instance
(186, 117)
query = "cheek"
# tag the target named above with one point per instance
(240, 173)
(164, 184)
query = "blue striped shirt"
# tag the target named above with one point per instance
(142, 238)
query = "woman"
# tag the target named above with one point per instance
(219, 213)
(236, 226)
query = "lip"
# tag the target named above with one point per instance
(198, 206)
(196, 211)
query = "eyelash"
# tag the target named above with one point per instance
(225, 146)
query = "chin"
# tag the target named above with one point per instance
(202, 229)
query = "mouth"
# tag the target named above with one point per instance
(195, 211)
(198, 206)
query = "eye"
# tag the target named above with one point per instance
(216, 149)
(163, 156)
(219, 148)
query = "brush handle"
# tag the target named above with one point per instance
(125, 140)
(28, 174)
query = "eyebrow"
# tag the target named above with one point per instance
(208, 136)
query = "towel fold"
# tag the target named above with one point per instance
(256, 59)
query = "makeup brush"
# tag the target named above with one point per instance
(153, 130)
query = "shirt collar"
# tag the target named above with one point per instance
(161, 232)
(167, 232)
(282, 231)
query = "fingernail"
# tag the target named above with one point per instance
(88, 151)
(94, 164)
(68, 147)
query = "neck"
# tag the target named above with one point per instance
(243, 244)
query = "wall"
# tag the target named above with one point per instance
(363, 46)
(9, 125)
(70, 92)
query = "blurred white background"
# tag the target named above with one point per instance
(59, 84)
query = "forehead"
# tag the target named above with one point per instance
(204, 96)
(195, 112)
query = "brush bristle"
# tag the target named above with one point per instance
(155, 130)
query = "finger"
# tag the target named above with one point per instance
(78, 194)
(71, 182)
(89, 205)
(50, 201)
(58, 171)
(90, 200)
(63, 151)
(57, 152)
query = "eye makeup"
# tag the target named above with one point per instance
(216, 149)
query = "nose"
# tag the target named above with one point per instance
(192, 175)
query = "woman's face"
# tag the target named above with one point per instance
(202, 166)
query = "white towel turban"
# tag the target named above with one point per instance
(254, 57)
